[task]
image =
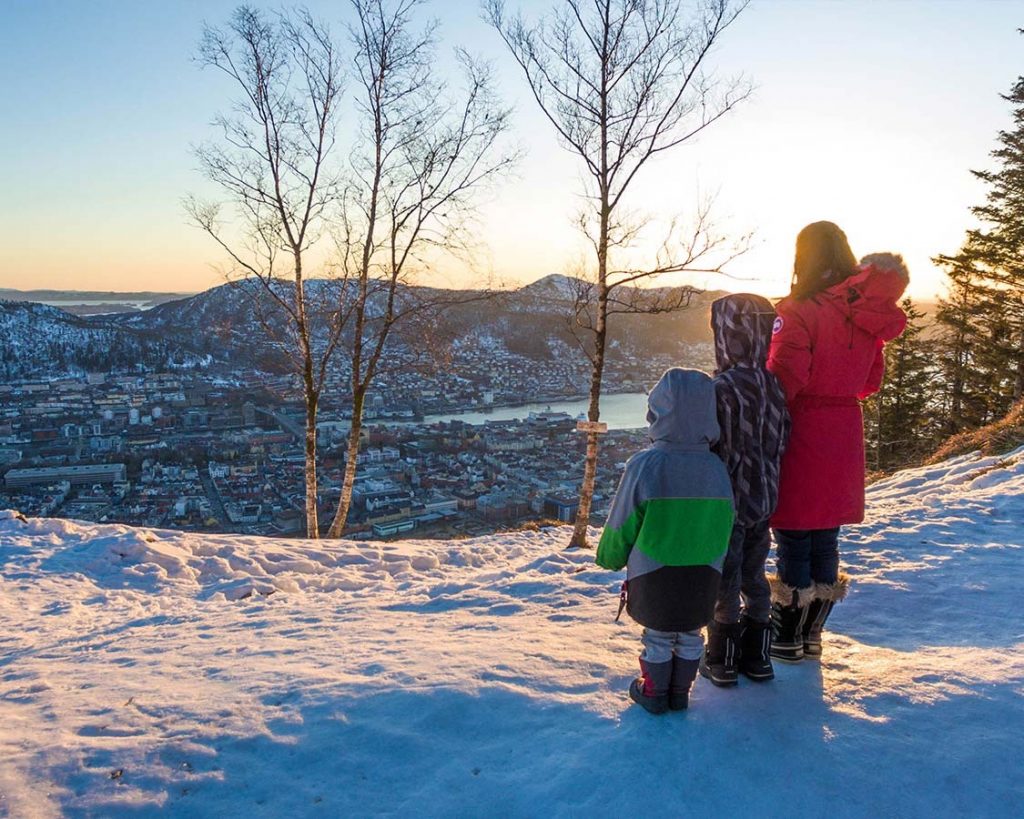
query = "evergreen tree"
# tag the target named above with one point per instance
(982, 340)
(968, 364)
(900, 418)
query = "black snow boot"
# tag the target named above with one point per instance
(650, 689)
(826, 595)
(683, 674)
(720, 662)
(755, 650)
(788, 632)
(789, 615)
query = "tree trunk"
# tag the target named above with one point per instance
(312, 523)
(878, 429)
(351, 453)
(956, 387)
(312, 397)
(1018, 387)
(579, 534)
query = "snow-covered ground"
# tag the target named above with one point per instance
(145, 671)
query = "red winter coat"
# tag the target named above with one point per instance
(827, 352)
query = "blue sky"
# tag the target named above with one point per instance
(867, 113)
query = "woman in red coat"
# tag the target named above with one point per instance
(827, 350)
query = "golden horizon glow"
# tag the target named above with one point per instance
(872, 132)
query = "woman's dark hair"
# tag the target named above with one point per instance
(823, 258)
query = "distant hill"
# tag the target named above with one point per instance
(531, 321)
(239, 325)
(36, 339)
(90, 302)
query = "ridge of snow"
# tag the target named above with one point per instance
(205, 675)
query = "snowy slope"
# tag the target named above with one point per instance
(41, 341)
(219, 676)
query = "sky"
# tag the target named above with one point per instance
(868, 114)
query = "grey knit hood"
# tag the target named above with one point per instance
(681, 409)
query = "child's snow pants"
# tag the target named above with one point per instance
(743, 573)
(659, 646)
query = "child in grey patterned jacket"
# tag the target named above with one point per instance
(754, 428)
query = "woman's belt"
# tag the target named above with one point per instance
(825, 401)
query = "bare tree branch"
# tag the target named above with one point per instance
(622, 82)
(424, 156)
(273, 164)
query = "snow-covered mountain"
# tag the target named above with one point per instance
(239, 325)
(145, 671)
(37, 339)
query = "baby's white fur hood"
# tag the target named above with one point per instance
(887, 261)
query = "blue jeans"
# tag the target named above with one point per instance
(807, 556)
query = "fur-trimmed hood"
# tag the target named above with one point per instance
(887, 261)
(870, 297)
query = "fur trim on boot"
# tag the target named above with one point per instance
(833, 591)
(783, 593)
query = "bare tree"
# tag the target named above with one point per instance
(272, 163)
(622, 82)
(423, 156)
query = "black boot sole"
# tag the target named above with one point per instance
(787, 654)
(721, 682)
(652, 705)
(763, 677)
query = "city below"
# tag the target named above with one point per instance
(182, 415)
(201, 452)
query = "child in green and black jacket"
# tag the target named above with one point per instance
(669, 524)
